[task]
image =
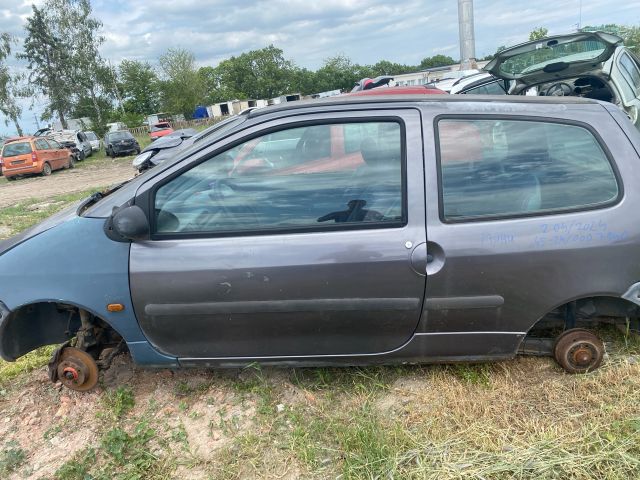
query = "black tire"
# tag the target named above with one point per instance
(12, 178)
(579, 350)
(72, 161)
(46, 170)
(81, 155)
(137, 151)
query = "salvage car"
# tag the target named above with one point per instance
(148, 157)
(585, 64)
(34, 156)
(120, 142)
(95, 142)
(403, 229)
(160, 130)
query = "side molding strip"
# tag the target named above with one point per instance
(454, 303)
(281, 306)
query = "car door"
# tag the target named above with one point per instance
(524, 218)
(270, 259)
(45, 153)
(55, 153)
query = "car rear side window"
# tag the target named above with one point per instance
(504, 168)
(41, 144)
(15, 149)
(298, 178)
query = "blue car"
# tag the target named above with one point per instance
(346, 231)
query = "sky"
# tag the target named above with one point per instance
(309, 31)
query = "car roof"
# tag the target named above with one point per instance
(415, 99)
(21, 139)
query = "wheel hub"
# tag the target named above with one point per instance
(582, 355)
(77, 370)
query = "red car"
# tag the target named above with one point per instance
(160, 130)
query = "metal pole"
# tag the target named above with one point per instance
(467, 35)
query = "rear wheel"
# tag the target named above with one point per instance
(579, 351)
(12, 179)
(72, 161)
(46, 170)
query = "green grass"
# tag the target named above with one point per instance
(29, 212)
(12, 457)
(118, 402)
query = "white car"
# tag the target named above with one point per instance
(94, 141)
(585, 64)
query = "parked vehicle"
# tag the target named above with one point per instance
(167, 143)
(160, 130)
(120, 143)
(585, 64)
(95, 142)
(347, 231)
(65, 136)
(34, 155)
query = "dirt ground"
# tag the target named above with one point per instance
(90, 173)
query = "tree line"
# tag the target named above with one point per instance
(64, 68)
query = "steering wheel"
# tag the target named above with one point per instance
(560, 89)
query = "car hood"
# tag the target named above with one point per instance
(551, 58)
(53, 221)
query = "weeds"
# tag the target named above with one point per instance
(12, 457)
(118, 402)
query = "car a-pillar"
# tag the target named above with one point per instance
(569, 333)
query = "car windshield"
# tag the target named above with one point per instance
(91, 136)
(14, 149)
(547, 53)
(116, 136)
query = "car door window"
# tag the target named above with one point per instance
(298, 178)
(55, 144)
(497, 168)
(41, 144)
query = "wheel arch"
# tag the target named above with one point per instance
(39, 323)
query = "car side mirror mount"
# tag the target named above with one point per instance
(127, 224)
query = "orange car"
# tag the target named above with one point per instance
(33, 155)
(160, 130)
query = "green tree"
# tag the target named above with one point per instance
(436, 61)
(49, 62)
(181, 86)
(538, 34)
(10, 88)
(140, 87)
(339, 72)
(263, 73)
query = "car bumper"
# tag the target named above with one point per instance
(124, 150)
(11, 172)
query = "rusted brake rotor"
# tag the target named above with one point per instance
(579, 350)
(77, 370)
